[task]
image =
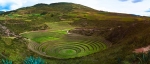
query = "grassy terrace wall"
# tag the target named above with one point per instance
(56, 43)
(65, 50)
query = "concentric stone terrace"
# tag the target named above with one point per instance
(65, 50)
(58, 42)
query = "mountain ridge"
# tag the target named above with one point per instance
(69, 3)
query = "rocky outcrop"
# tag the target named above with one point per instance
(4, 31)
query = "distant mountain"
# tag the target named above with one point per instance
(2, 12)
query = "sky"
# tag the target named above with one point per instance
(137, 7)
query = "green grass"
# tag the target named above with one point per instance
(56, 43)
(8, 40)
(44, 39)
(2, 18)
(44, 36)
(68, 52)
(56, 31)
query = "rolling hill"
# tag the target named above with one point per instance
(71, 33)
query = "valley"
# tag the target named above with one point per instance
(68, 33)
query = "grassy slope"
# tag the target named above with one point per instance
(120, 29)
(57, 30)
(16, 52)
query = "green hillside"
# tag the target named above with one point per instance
(69, 33)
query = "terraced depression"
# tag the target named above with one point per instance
(56, 43)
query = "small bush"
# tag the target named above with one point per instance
(6, 61)
(32, 60)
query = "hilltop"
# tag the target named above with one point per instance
(119, 34)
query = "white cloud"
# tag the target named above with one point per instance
(123, 0)
(106, 5)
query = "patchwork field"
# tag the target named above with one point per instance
(56, 43)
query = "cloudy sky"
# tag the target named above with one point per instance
(138, 7)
